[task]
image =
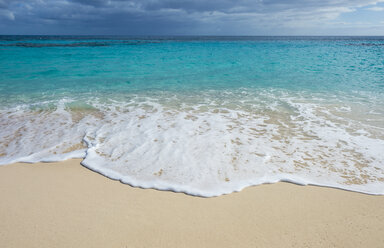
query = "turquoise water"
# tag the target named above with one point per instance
(201, 115)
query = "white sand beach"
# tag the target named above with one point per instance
(66, 205)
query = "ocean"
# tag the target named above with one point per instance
(201, 115)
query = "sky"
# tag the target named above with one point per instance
(192, 17)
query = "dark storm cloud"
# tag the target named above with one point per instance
(95, 3)
(4, 4)
(170, 16)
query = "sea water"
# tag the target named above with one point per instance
(201, 115)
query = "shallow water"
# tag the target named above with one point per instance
(201, 115)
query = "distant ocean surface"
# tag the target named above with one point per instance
(201, 115)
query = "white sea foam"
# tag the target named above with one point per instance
(209, 144)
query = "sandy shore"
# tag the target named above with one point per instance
(66, 205)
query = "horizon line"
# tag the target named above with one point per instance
(191, 35)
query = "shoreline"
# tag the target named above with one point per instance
(298, 183)
(63, 204)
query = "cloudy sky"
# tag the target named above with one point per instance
(193, 17)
